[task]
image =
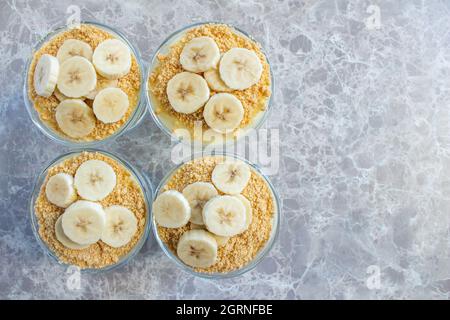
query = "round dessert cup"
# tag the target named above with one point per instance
(142, 180)
(163, 49)
(135, 118)
(262, 252)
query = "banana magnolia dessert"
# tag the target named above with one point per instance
(90, 211)
(213, 75)
(215, 213)
(84, 83)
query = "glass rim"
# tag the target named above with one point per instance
(141, 178)
(152, 65)
(133, 120)
(262, 253)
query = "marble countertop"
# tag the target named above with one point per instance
(361, 106)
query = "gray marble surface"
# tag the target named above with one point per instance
(362, 109)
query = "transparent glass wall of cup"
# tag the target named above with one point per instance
(142, 180)
(132, 122)
(261, 254)
(163, 49)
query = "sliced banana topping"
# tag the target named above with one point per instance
(215, 82)
(223, 112)
(197, 226)
(200, 54)
(240, 68)
(102, 83)
(62, 97)
(221, 241)
(248, 211)
(65, 241)
(171, 209)
(77, 77)
(112, 59)
(60, 191)
(187, 92)
(73, 47)
(120, 226)
(110, 105)
(94, 180)
(197, 194)
(224, 216)
(46, 75)
(83, 222)
(75, 118)
(231, 176)
(197, 248)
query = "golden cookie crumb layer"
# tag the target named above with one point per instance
(240, 249)
(127, 193)
(46, 107)
(254, 99)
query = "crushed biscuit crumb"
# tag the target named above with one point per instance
(240, 249)
(253, 99)
(127, 193)
(130, 83)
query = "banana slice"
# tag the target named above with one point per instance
(59, 190)
(171, 209)
(223, 112)
(75, 118)
(187, 92)
(221, 241)
(77, 77)
(197, 194)
(224, 216)
(120, 227)
(102, 83)
(83, 222)
(231, 176)
(200, 54)
(66, 242)
(197, 226)
(197, 248)
(215, 82)
(60, 96)
(240, 68)
(46, 75)
(73, 47)
(248, 211)
(110, 105)
(94, 180)
(112, 59)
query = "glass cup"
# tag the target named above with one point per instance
(142, 180)
(132, 122)
(262, 252)
(163, 49)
